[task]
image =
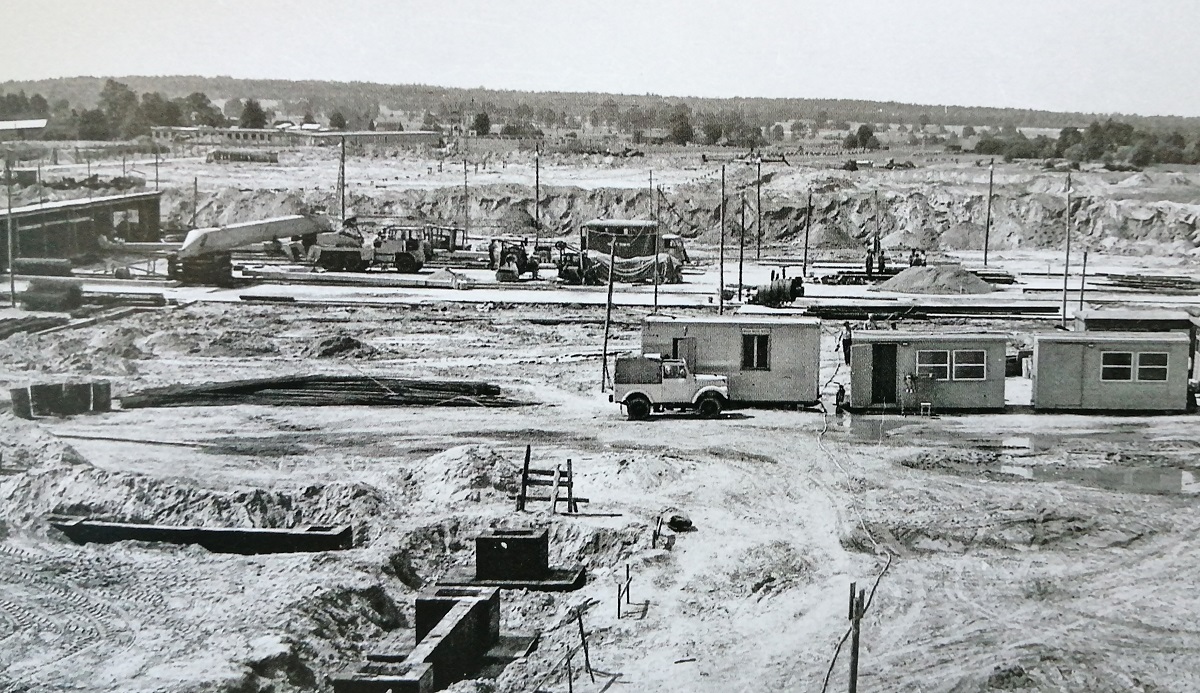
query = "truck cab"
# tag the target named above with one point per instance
(649, 383)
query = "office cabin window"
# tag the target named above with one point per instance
(934, 365)
(756, 350)
(1116, 366)
(970, 364)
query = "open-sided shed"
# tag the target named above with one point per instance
(768, 360)
(1111, 371)
(903, 371)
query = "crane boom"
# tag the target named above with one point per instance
(222, 239)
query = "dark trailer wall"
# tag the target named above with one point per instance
(768, 360)
(634, 238)
(901, 371)
(1120, 372)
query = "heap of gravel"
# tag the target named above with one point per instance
(937, 279)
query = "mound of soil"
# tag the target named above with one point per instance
(339, 345)
(938, 279)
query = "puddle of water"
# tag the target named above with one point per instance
(1131, 479)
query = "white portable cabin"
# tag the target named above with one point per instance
(1120, 372)
(769, 360)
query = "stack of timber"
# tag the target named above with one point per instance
(52, 294)
(1165, 284)
(32, 323)
(43, 266)
(326, 390)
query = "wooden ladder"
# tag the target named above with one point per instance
(561, 482)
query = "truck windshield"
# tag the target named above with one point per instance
(674, 370)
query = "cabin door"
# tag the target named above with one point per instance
(685, 348)
(883, 374)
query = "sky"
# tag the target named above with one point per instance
(1094, 56)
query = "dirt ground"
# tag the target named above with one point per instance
(1047, 553)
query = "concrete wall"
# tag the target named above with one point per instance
(1066, 375)
(795, 356)
(942, 395)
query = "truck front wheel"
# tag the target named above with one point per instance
(638, 408)
(710, 406)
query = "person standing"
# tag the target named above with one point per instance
(840, 400)
(847, 339)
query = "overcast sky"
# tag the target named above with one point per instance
(1105, 56)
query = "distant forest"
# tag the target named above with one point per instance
(91, 108)
(363, 97)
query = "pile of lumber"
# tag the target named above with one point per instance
(53, 294)
(43, 266)
(326, 390)
(32, 323)
(1166, 284)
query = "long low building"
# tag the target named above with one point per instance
(252, 137)
(67, 228)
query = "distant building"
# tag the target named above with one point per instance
(293, 136)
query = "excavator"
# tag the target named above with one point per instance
(205, 258)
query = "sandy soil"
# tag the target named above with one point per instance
(1043, 553)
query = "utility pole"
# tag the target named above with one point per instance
(657, 237)
(1083, 280)
(12, 275)
(156, 167)
(195, 199)
(612, 260)
(466, 204)
(537, 194)
(742, 247)
(1067, 253)
(721, 263)
(807, 227)
(987, 228)
(342, 179)
(758, 210)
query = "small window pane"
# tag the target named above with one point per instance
(756, 352)
(970, 364)
(1152, 366)
(1116, 365)
(933, 365)
(1117, 358)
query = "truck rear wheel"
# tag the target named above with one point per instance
(710, 406)
(407, 264)
(638, 408)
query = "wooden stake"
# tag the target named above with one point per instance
(524, 479)
(587, 658)
(571, 506)
(1067, 254)
(554, 490)
(987, 228)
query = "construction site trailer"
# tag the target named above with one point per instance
(769, 360)
(1143, 320)
(911, 372)
(1120, 372)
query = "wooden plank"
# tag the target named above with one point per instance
(546, 498)
(554, 493)
(566, 482)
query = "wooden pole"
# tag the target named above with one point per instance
(742, 247)
(342, 179)
(657, 236)
(856, 605)
(758, 234)
(612, 260)
(987, 228)
(466, 204)
(195, 199)
(1083, 280)
(1066, 254)
(12, 275)
(807, 226)
(721, 263)
(537, 195)
(571, 507)
(524, 478)
(587, 659)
